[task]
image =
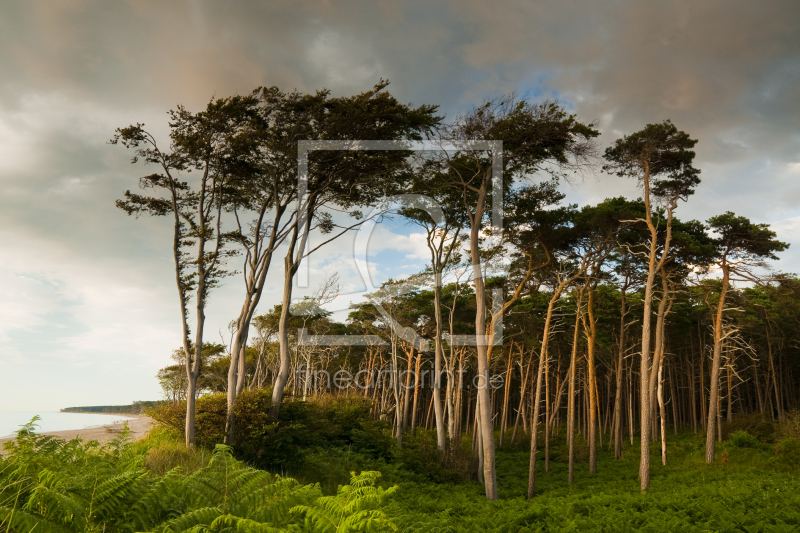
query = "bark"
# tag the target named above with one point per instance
(662, 413)
(778, 403)
(291, 263)
(438, 409)
(416, 391)
(506, 392)
(659, 344)
(523, 386)
(536, 395)
(483, 406)
(591, 329)
(571, 398)
(713, 403)
(258, 260)
(653, 267)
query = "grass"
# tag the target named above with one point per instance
(164, 450)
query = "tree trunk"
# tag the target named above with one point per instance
(592, 408)
(538, 391)
(506, 392)
(571, 398)
(713, 402)
(662, 413)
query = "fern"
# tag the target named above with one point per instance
(51, 485)
(356, 507)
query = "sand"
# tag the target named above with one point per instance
(139, 427)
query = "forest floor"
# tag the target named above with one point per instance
(745, 490)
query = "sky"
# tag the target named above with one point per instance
(88, 307)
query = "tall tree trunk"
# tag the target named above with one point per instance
(662, 413)
(438, 409)
(417, 366)
(591, 329)
(778, 403)
(506, 392)
(523, 386)
(713, 402)
(571, 398)
(538, 391)
(659, 345)
(484, 402)
(291, 263)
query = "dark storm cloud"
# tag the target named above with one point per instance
(727, 72)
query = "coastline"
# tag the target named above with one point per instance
(139, 425)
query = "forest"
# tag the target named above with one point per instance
(612, 366)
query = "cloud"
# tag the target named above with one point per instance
(84, 285)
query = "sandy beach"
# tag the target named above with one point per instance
(139, 427)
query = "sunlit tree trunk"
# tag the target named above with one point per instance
(713, 402)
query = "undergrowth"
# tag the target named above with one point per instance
(158, 485)
(51, 485)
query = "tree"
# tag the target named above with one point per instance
(443, 239)
(742, 246)
(207, 143)
(345, 179)
(660, 157)
(535, 138)
(264, 194)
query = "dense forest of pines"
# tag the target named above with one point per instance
(569, 331)
(610, 320)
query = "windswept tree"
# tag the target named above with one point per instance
(207, 145)
(535, 138)
(660, 158)
(436, 211)
(346, 179)
(742, 248)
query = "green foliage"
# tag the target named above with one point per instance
(302, 428)
(749, 494)
(788, 451)
(754, 424)
(743, 439)
(48, 484)
(356, 507)
(420, 456)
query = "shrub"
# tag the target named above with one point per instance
(743, 439)
(421, 456)
(788, 450)
(790, 425)
(755, 424)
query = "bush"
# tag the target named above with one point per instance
(754, 423)
(302, 428)
(788, 450)
(743, 439)
(790, 426)
(421, 456)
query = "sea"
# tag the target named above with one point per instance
(10, 421)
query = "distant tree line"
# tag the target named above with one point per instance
(134, 408)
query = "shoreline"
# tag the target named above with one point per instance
(139, 425)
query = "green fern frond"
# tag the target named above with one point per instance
(17, 520)
(231, 523)
(198, 517)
